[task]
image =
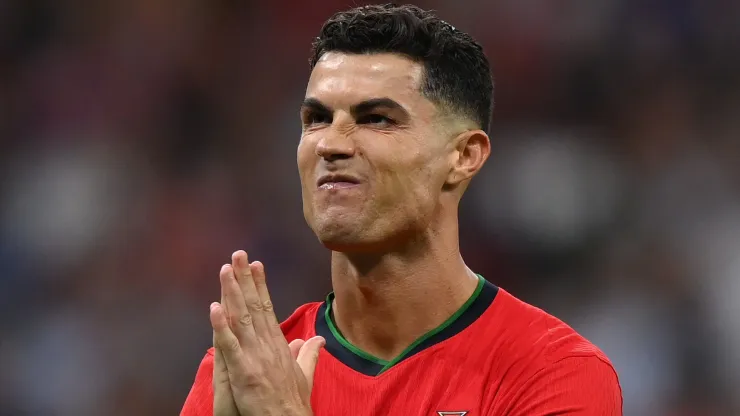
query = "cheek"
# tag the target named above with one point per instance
(305, 160)
(411, 183)
(301, 150)
(425, 182)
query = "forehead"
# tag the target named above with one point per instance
(341, 79)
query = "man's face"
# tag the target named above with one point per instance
(371, 162)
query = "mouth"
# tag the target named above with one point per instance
(337, 181)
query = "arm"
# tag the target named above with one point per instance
(200, 399)
(573, 386)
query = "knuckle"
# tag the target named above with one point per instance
(233, 344)
(220, 380)
(250, 379)
(245, 320)
(229, 344)
(267, 306)
(259, 279)
(256, 306)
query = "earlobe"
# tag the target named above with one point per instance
(472, 149)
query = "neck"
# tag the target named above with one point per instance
(384, 302)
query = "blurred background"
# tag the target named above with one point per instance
(143, 141)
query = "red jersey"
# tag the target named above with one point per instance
(496, 356)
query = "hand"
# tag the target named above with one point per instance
(256, 372)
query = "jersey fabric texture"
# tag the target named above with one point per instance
(497, 356)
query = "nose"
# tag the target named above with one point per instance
(335, 146)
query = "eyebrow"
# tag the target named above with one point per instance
(359, 108)
(374, 103)
(315, 105)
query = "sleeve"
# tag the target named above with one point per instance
(200, 399)
(573, 386)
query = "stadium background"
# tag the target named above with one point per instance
(142, 141)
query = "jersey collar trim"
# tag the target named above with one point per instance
(367, 364)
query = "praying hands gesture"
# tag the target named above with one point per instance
(255, 371)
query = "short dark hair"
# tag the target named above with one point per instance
(457, 74)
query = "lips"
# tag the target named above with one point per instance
(337, 181)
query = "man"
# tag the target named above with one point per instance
(394, 128)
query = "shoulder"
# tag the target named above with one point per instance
(547, 360)
(573, 385)
(301, 323)
(538, 335)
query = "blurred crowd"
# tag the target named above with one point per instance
(143, 141)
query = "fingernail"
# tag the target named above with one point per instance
(213, 306)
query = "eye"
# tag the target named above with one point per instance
(316, 118)
(376, 119)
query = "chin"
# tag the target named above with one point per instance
(335, 236)
(345, 236)
(359, 239)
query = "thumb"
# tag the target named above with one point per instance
(295, 347)
(308, 356)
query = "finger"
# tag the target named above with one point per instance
(260, 282)
(220, 374)
(243, 273)
(223, 398)
(224, 340)
(223, 299)
(237, 313)
(295, 347)
(308, 357)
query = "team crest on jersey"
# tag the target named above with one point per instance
(452, 413)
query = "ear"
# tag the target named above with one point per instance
(472, 149)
